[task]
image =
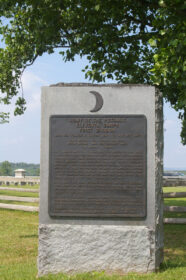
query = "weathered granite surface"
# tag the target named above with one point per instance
(82, 248)
(159, 178)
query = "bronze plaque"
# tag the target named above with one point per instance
(98, 166)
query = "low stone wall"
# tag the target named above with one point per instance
(28, 180)
(32, 180)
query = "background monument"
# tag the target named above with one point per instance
(101, 179)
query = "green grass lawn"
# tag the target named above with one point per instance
(19, 242)
(18, 252)
(175, 201)
(174, 189)
(23, 187)
(17, 193)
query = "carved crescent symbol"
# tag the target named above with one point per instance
(99, 101)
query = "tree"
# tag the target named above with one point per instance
(6, 169)
(37, 172)
(130, 41)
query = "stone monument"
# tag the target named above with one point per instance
(101, 179)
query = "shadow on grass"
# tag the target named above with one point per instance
(171, 264)
(175, 202)
(175, 247)
(29, 236)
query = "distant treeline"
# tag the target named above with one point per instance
(7, 168)
(183, 171)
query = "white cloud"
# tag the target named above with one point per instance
(32, 90)
(30, 81)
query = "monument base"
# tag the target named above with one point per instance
(85, 248)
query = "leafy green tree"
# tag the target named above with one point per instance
(30, 168)
(37, 172)
(5, 168)
(130, 41)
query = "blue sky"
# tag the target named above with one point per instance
(20, 139)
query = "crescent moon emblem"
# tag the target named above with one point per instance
(99, 101)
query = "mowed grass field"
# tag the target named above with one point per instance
(19, 245)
